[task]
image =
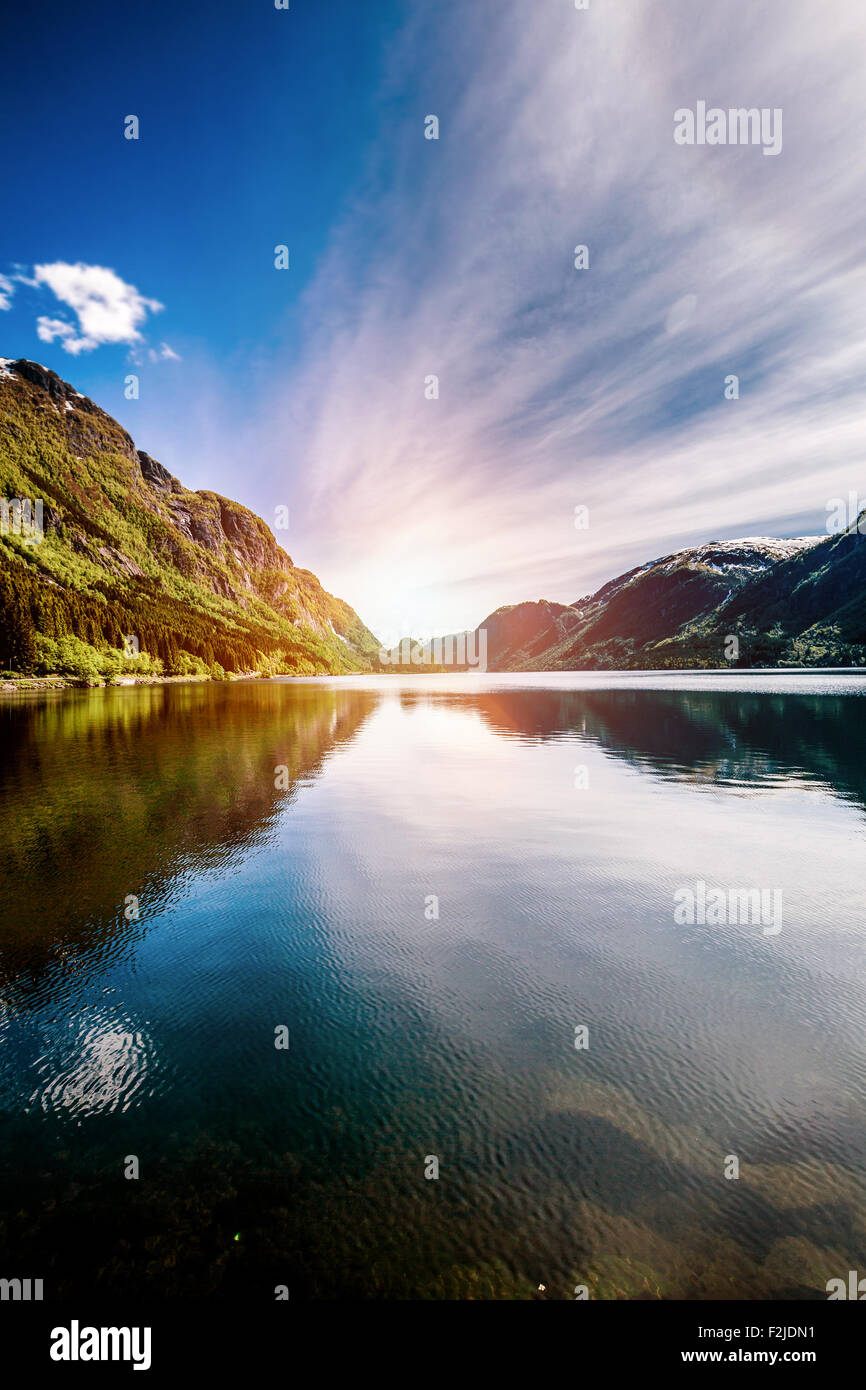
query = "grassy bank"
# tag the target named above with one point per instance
(11, 683)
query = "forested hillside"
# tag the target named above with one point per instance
(120, 568)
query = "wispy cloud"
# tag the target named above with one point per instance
(7, 290)
(604, 386)
(163, 354)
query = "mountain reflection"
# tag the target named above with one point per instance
(692, 736)
(109, 793)
(301, 900)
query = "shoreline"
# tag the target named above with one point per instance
(40, 684)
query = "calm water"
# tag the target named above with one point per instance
(554, 820)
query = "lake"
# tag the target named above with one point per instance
(511, 929)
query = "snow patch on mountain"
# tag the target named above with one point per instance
(747, 554)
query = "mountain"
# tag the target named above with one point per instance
(129, 559)
(787, 602)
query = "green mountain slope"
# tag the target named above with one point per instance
(129, 557)
(812, 608)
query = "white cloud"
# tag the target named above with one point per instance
(7, 289)
(49, 330)
(163, 354)
(108, 310)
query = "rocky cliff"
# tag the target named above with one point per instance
(125, 545)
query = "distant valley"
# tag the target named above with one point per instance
(134, 574)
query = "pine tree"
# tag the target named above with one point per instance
(17, 632)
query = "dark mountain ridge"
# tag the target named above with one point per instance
(750, 602)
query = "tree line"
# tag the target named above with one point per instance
(164, 627)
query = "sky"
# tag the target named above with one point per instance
(602, 386)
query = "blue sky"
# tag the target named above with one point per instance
(410, 257)
(253, 128)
